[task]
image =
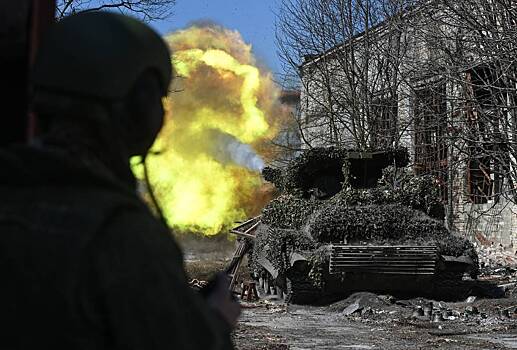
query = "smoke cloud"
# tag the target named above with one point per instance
(228, 149)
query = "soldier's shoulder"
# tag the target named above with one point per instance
(135, 227)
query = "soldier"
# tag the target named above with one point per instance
(84, 264)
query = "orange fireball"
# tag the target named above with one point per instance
(222, 108)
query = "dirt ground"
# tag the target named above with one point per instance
(363, 320)
(205, 256)
(275, 325)
(369, 321)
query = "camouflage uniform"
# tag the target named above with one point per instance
(86, 266)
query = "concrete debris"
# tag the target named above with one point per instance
(496, 256)
(368, 308)
(471, 299)
(438, 318)
(508, 286)
(418, 312)
(505, 313)
(428, 309)
(197, 284)
(471, 310)
(367, 311)
(352, 308)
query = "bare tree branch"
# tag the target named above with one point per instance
(147, 10)
(437, 76)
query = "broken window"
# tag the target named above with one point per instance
(429, 108)
(484, 137)
(479, 177)
(383, 121)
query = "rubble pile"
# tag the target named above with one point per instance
(505, 277)
(370, 307)
(197, 284)
(499, 266)
(496, 256)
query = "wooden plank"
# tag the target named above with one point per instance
(242, 248)
(244, 223)
(236, 263)
(242, 234)
(255, 225)
(247, 222)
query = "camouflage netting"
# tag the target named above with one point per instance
(300, 173)
(274, 176)
(401, 209)
(386, 224)
(277, 245)
(288, 211)
(298, 177)
(397, 186)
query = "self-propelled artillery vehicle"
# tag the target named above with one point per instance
(348, 221)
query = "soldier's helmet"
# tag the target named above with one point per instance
(100, 55)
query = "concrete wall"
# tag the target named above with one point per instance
(490, 224)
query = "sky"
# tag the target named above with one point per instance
(254, 19)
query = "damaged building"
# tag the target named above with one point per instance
(418, 81)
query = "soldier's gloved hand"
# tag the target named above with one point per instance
(221, 299)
